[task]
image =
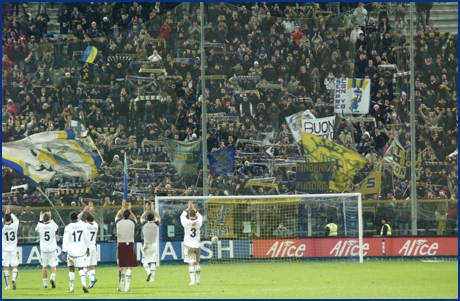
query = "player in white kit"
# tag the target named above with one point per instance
(47, 228)
(192, 225)
(76, 244)
(150, 248)
(93, 230)
(10, 226)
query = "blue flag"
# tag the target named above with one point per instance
(221, 161)
(313, 177)
(125, 180)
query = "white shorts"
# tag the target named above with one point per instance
(192, 255)
(78, 262)
(49, 259)
(92, 259)
(10, 259)
(149, 253)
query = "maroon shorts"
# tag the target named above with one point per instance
(127, 255)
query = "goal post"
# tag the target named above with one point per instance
(265, 228)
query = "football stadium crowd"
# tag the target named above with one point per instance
(264, 62)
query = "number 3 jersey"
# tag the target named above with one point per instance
(191, 230)
(76, 239)
(47, 236)
(10, 235)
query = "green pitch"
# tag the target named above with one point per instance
(389, 279)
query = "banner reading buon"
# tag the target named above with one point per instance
(323, 127)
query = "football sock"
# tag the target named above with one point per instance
(121, 278)
(92, 275)
(15, 274)
(128, 279)
(6, 275)
(53, 276)
(191, 271)
(82, 277)
(198, 269)
(147, 268)
(152, 270)
(45, 281)
(71, 280)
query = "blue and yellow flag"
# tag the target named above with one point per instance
(89, 55)
(221, 161)
(347, 162)
(185, 156)
(313, 177)
(370, 184)
(39, 157)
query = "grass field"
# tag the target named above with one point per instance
(386, 279)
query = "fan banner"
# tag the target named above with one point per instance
(185, 156)
(352, 96)
(370, 185)
(294, 123)
(313, 177)
(323, 127)
(219, 220)
(347, 162)
(401, 161)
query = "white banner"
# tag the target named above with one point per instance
(323, 127)
(295, 123)
(352, 96)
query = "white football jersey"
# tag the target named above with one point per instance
(10, 235)
(47, 236)
(93, 229)
(150, 231)
(76, 239)
(191, 230)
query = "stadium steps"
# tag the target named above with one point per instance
(443, 15)
(53, 25)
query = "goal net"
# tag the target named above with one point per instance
(265, 228)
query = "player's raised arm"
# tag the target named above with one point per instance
(83, 212)
(144, 215)
(120, 212)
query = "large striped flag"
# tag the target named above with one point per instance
(89, 55)
(347, 162)
(125, 180)
(39, 157)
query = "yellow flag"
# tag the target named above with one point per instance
(370, 184)
(347, 162)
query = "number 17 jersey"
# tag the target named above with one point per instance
(76, 239)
